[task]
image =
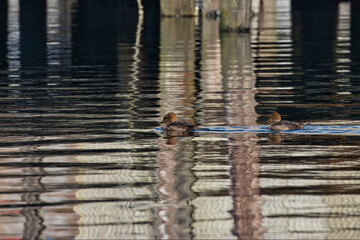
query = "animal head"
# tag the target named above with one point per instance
(274, 117)
(169, 118)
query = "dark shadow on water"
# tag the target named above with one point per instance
(3, 35)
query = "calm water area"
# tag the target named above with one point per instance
(84, 86)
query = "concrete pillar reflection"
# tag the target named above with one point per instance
(239, 86)
(177, 93)
(33, 54)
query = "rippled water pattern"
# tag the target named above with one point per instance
(84, 87)
(311, 130)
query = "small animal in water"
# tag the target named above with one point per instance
(276, 124)
(171, 124)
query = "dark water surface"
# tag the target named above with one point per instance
(85, 84)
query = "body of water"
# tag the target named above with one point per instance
(85, 84)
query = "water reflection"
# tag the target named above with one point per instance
(85, 84)
(305, 178)
(177, 87)
(3, 35)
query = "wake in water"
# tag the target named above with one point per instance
(342, 130)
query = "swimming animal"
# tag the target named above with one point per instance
(171, 124)
(276, 124)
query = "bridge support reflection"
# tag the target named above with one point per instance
(239, 80)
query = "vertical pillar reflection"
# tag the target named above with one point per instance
(245, 187)
(177, 64)
(342, 52)
(33, 224)
(177, 93)
(33, 54)
(167, 195)
(211, 79)
(13, 39)
(58, 57)
(239, 82)
(58, 36)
